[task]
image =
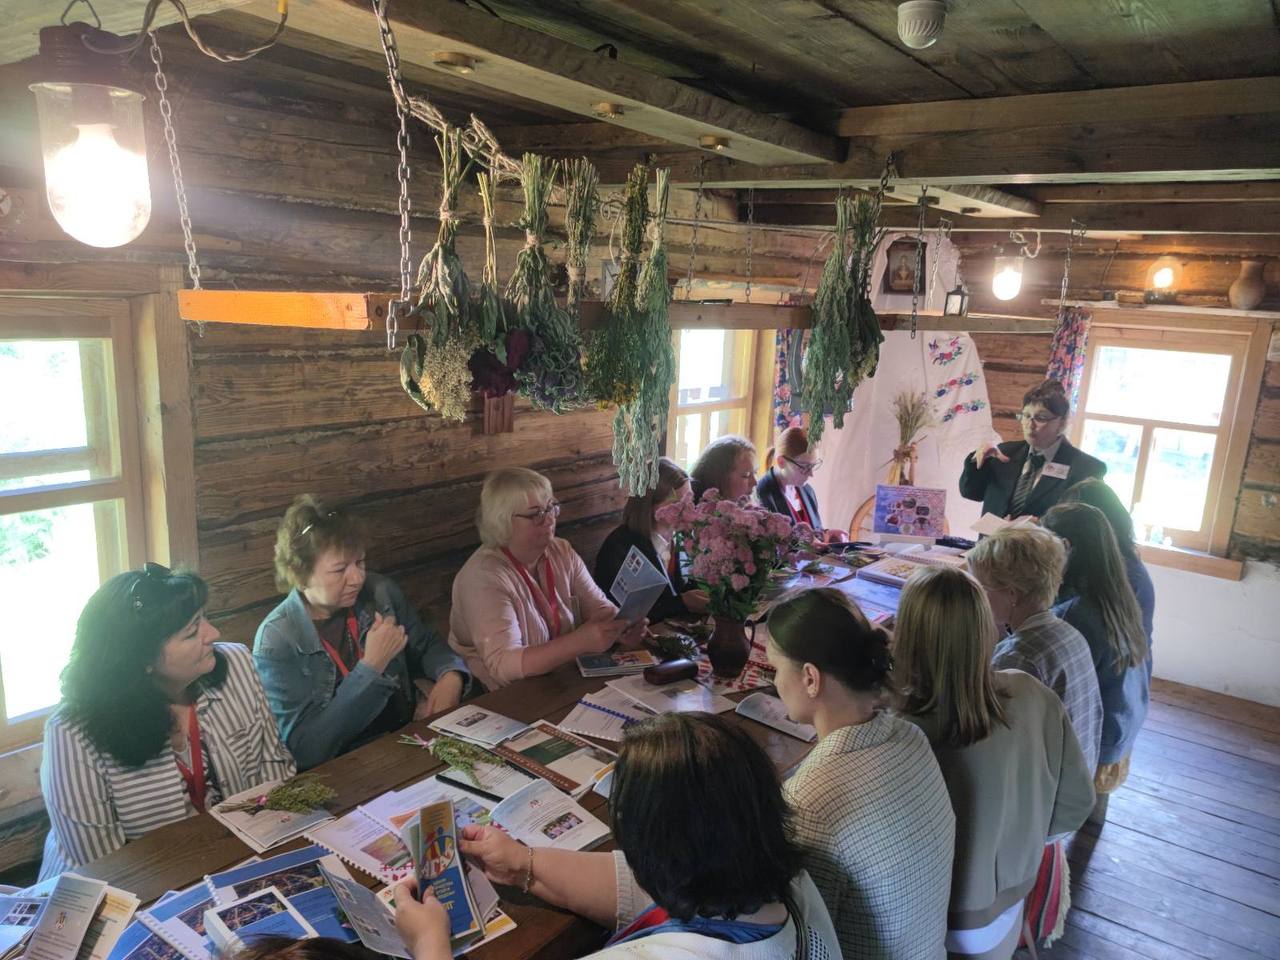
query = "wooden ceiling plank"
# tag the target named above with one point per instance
(21, 38)
(970, 200)
(515, 60)
(1261, 191)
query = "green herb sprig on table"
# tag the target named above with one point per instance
(302, 794)
(462, 756)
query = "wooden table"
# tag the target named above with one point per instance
(175, 856)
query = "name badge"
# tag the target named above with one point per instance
(1055, 471)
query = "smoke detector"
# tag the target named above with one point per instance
(920, 22)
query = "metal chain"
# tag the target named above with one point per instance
(915, 283)
(889, 172)
(751, 222)
(175, 164)
(392, 55)
(697, 217)
(1066, 265)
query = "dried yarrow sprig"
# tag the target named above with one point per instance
(551, 376)
(490, 320)
(302, 794)
(827, 385)
(615, 365)
(582, 203)
(638, 424)
(866, 334)
(462, 756)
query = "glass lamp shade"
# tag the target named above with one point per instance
(95, 160)
(957, 303)
(1006, 279)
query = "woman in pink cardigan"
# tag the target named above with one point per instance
(524, 603)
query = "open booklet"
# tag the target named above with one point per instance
(769, 710)
(263, 829)
(542, 816)
(684, 696)
(559, 757)
(637, 586)
(478, 725)
(233, 926)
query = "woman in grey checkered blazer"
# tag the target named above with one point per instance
(871, 810)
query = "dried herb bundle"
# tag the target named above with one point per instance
(614, 363)
(551, 376)
(462, 756)
(638, 424)
(302, 794)
(867, 336)
(433, 368)
(493, 366)
(582, 203)
(913, 413)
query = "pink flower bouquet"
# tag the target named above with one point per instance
(732, 548)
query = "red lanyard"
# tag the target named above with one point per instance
(353, 630)
(800, 515)
(548, 595)
(193, 775)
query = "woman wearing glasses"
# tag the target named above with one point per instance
(1026, 477)
(345, 656)
(157, 722)
(785, 488)
(641, 529)
(524, 603)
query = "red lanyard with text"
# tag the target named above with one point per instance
(353, 630)
(548, 595)
(193, 775)
(799, 515)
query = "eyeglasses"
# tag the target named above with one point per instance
(541, 514)
(1039, 419)
(806, 468)
(308, 528)
(143, 593)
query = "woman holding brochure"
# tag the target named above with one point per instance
(157, 722)
(640, 529)
(524, 603)
(680, 885)
(871, 809)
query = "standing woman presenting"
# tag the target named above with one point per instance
(1026, 477)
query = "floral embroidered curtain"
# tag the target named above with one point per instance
(1066, 358)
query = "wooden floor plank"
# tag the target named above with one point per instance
(1193, 798)
(1244, 712)
(1226, 738)
(1189, 757)
(1258, 800)
(1187, 827)
(1115, 936)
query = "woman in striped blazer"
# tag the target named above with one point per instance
(157, 722)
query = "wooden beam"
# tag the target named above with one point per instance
(692, 315)
(514, 60)
(327, 311)
(1127, 218)
(1262, 191)
(969, 200)
(21, 39)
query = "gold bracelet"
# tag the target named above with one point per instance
(528, 874)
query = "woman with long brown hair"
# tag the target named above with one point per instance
(1012, 764)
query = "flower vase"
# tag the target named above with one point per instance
(728, 647)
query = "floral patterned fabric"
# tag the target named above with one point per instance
(787, 343)
(1066, 359)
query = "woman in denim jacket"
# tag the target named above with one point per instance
(345, 657)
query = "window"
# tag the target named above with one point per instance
(69, 486)
(1158, 407)
(714, 374)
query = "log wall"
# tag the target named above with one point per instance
(280, 411)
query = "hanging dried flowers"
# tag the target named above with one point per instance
(434, 368)
(494, 363)
(582, 203)
(638, 424)
(551, 375)
(614, 362)
(844, 347)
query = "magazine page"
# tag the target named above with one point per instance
(685, 696)
(637, 586)
(770, 711)
(140, 942)
(263, 913)
(562, 758)
(478, 725)
(263, 829)
(298, 878)
(542, 816)
(365, 844)
(65, 920)
(372, 921)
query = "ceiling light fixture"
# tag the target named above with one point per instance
(608, 111)
(1006, 277)
(920, 22)
(1163, 279)
(454, 61)
(711, 142)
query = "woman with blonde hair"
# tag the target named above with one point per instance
(1012, 764)
(524, 603)
(345, 656)
(640, 528)
(1097, 600)
(784, 488)
(728, 466)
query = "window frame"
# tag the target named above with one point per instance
(745, 353)
(1242, 335)
(55, 318)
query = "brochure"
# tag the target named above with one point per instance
(685, 696)
(637, 586)
(140, 942)
(298, 878)
(18, 917)
(372, 921)
(264, 829)
(234, 926)
(617, 663)
(65, 919)
(496, 923)
(432, 839)
(913, 511)
(180, 921)
(366, 844)
(478, 725)
(397, 807)
(559, 757)
(605, 714)
(117, 909)
(770, 711)
(542, 816)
